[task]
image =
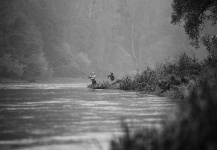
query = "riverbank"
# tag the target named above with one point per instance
(9, 80)
(173, 79)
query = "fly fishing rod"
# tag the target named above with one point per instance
(73, 68)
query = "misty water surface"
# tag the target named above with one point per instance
(71, 116)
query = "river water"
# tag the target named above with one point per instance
(71, 116)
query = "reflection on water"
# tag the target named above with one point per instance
(70, 116)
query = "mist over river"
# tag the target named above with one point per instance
(71, 116)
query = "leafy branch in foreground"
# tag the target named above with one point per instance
(193, 127)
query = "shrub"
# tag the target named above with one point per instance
(144, 81)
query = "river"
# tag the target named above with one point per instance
(71, 116)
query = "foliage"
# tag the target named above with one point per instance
(146, 81)
(127, 83)
(22, 44)
(194, 14)
(192, 127)
(209, 72)
(211, 45)
(9, 66)
(165, 77)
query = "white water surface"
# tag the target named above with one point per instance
(71, 116)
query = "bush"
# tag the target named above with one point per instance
(173, 78)
(127, 83)
(144, 81)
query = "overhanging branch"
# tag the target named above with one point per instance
(206, 7)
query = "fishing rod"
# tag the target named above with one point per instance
(104, 73)
(73, 68)
(101, 72)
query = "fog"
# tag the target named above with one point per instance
(71, 38)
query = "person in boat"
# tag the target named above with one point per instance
(111, 76)
(92, 78)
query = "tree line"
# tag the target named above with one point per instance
(70, 38)
(42, 38)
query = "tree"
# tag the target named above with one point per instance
(194, 14)
(21, 43)
(10, 67)
(211, 45)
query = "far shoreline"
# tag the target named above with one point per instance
(60, 80)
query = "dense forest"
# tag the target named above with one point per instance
(71, 38)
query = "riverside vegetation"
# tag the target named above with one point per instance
(174, 79)
(193, 126)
